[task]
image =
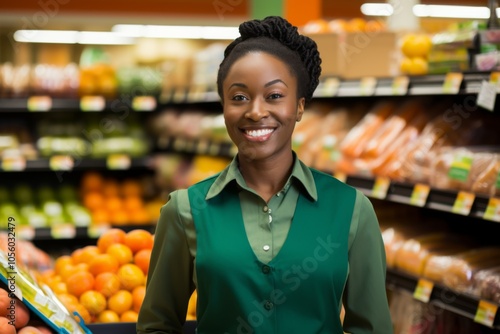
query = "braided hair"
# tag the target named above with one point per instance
(276, 36)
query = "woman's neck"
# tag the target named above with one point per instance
(267, 177)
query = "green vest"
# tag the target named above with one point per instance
(298, 291)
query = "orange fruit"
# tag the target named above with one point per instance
(113, 204)
(58, 287)
(93, 200)
(93, 301)
(111, 236)
(107, 284)
(131, 188)
(129, 316)
(100, 216)
(83, 312)
(142, 259)
(80, 282)
(130, 276)
(91, 181)
(419, 66)
(67, 300)
(120, 302)
(103, 263)
(140, 216)
(108, 316)
(61, 262)
(356, 24)
(374, 26)
(121, 253)
(85, 254)
(138, 239)
(138, 297)
(133, 203)
(110, 188)
(416, 45)
(119, 217)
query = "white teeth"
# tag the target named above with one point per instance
(258, 133)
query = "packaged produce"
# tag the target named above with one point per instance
(488, 180)
(305, 131)
(457, 270)
(487, 284)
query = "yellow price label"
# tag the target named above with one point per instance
(495, 80)
(39, 103)
(381, 187)
(367, 86)
(400, 85)
(25, 232)
(420, 194)
(486, 313)
(340, 176)
(61, 162)
(63, 231)
(15, 163)
(452, 83)
(492, 211)
(144, 103)
(423, 290)
(92, 103)
(96, 230)
(463, 203)
(118, 161)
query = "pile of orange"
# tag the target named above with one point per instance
(415, 48)
(104, 282)
(117, 202)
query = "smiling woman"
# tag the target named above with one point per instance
(244, 238)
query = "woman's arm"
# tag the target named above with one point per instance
(365, 298)
(170, 283)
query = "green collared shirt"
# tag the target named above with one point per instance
(172, 275)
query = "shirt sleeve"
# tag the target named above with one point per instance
(169, 284)
(365, 298)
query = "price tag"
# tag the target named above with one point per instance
(61, 162)
(63, 231)
(179, 144)
(423, 290)
(381, 187)
(179, 95)
(495, 80)
(340, 176)
(487, 95)
(96, 230)
(367, 86)
(16, 163)
(463, 203)
(400, 85)
(144, 103)
(492, 211)
(486, 313)
(118, 161)
(92, 103)
(214, 149)
(190, 146)
(39, 103)
(25, 232)
(202, 146)
(327, 88)
(420, 194)
(452, 83)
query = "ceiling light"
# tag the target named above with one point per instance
(183, 32)
(465, 12)
(377, 9)
(71, 37)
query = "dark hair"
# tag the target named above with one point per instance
(276, 36)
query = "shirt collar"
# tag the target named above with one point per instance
(231, 173)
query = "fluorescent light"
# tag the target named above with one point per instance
(46, 36)
(377, 9)
(183, 32)
(71, 37)
(463, 12)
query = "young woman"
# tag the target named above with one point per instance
(271, 245)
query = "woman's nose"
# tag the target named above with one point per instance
(256, 111)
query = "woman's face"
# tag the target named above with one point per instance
(261, 106)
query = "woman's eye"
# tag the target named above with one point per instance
(239, 97)
(275, 96)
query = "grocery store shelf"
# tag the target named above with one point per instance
(441, 296)
(196, 146)
(436, 199)
(67, 163)
(45, 103)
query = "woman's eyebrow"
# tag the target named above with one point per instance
(272, 82)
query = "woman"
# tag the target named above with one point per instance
(271, 245)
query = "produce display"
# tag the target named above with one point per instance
(415, 49)
(104, 282)
(356, 24)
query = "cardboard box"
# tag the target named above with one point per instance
(357, 55)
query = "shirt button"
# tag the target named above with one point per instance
(266, 269)
(265, 208)
(266, 248)
(268, 305)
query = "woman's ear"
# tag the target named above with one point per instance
(300, 108)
